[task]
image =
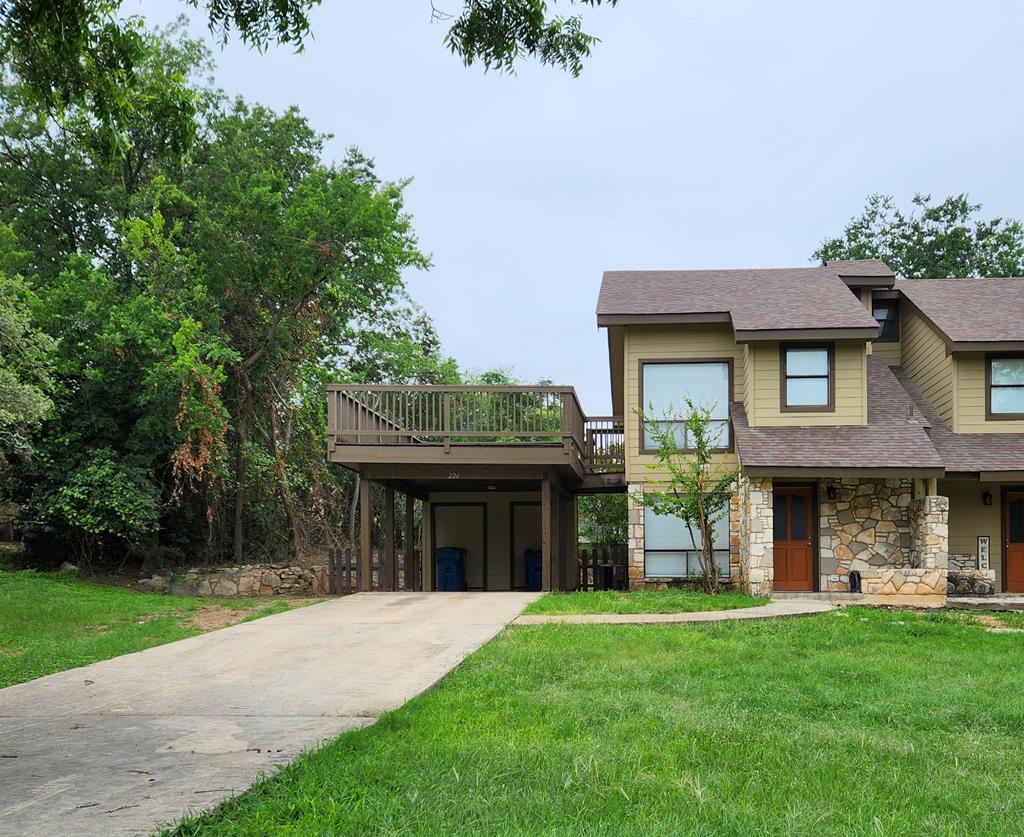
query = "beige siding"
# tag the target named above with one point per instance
(850, 386)
(694, 342)
(971, 397)
(970, 517)
(888, 350)
(925, 361)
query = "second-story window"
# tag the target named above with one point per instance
(1006, 387)
(665, 386)
(887, 313)
(807, 377)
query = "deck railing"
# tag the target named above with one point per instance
(362, 414)
(605, 444)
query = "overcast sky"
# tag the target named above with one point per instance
(701, 134)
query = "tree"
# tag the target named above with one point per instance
(603, 519)
(202, 300)
(25, 358)
(83, 53)
(932, 241)
(697, 490)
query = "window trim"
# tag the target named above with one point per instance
(989, 415)
(645, 451)
(784, 407)
(895, 303)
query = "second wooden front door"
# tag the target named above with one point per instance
(1013, 541)
(794, 537)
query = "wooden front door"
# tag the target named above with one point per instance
(1013, 541)
(794, 537)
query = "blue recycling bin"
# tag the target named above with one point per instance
(534, 572)
(451, 568)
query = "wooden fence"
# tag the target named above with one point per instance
(343, 572)
(603, 567)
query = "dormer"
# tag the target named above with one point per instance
(963, 347)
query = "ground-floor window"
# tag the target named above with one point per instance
(669, 551)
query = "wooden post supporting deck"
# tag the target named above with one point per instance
(546, 535)
(388, 564)
(411, 582)
(365, 535)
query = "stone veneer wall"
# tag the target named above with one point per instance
(756, 535)
(637, 579)
(867, 528)
(926, 574)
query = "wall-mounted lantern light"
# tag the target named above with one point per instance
(831, 492)
(986, 498)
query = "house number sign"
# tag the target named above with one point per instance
(983, 552)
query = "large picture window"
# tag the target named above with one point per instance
(1005, 387)
(665, 386)
(669, 552)
(807, 374)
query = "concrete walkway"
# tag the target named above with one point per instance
(772, 610)
(121, 746)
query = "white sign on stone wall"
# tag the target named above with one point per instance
(983, 552)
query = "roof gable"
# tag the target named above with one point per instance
(970, 313)
(758, 302)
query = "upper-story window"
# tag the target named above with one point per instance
(887, 313)
(807, 377)
(1005, 387)
(665, 386)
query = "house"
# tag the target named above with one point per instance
(875, 427)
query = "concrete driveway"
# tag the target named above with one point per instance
(122, 746)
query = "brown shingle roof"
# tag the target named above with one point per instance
(967, 451)
(895, 436)
(861, 269)
(805, 298)
(970, 310)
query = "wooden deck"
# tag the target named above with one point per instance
(433, 433)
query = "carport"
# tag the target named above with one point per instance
(496, 471)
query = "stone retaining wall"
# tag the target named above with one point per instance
(245, 581)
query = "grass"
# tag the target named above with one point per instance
(51, 622)
(852, 722)
(674, 600)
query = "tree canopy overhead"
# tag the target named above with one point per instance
(84, 53)
(932, 240)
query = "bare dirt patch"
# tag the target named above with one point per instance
(215, 616)
(995, 625)
(211, 617)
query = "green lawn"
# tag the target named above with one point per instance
(51, 622)
(851, 722)
(639, 601)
